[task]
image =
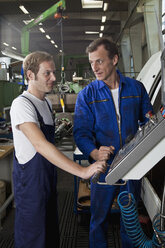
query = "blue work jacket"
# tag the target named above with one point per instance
(95, 121)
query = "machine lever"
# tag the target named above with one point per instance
(95, 177)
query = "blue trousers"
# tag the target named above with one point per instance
(102, 197)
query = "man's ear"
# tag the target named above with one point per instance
(115, 59)
(30, 75)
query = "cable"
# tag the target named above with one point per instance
(132, 226)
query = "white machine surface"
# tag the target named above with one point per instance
(150, 76)
(151, 71)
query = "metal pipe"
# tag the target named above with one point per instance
(162, 216)
(128, 19)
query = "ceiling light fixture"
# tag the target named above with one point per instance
(88, 4)
(28, 21)
(23, 9)
(48, 37)
(12, 54)
(14, 48)
(91, 32)
(103, 19)
(42, 30)
(102, 28)
(100, 35)
(4, 43)
(105, 6)
(52, 41)
(56, 46)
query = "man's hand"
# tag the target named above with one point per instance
(99, 166)
(103, 153)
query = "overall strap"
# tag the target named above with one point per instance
(50, 110)
(48, 105)
(40, 118)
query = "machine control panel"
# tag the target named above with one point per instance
(141, 153)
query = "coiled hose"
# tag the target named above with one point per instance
(132, 226)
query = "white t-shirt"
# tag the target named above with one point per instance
(115, 95)
(23, 111)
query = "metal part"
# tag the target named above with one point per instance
(64, 88)
(162, 216)
(95, 177)
(64, 126)
(163, 77)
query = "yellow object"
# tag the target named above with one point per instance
(62, 102)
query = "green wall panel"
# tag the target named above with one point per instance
(8, 91)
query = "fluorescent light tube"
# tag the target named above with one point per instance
(91, 32)
(5, 44)
(48, 37)
(103, 18)
(23, 9)
(88, 4)
(105, 6)
(13, 55)
(28, 21)
(102, 28)
(42, 30)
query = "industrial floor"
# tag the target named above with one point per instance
(74, 228)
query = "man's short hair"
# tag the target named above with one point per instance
(108, 44)
(33, 60)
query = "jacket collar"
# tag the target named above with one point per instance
(101, 83)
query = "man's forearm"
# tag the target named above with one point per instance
(94, 154)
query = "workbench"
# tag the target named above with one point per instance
(6, 162)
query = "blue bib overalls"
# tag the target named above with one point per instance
(36, 217)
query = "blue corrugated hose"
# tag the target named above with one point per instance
(133, 228)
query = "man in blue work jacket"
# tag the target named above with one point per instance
(107, 112)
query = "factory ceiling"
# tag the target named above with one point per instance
(70, 35)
